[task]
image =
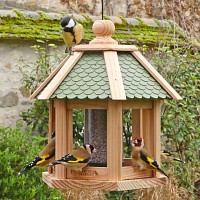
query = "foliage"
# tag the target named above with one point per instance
(34, 73)
(78, 126)
(180, 119)
(15, 153)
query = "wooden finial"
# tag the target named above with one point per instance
(103, 29)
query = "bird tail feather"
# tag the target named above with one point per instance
(161, 171)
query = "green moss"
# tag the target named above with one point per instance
(22, 27)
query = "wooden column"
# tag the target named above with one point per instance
(61, 130)
(157, 130)
(137, 129)
(68, 137)
(148, 129)
(151, 131)
(114, 140)
(51, 125)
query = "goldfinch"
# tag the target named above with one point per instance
(72, 33)
(78, 159)
(166, 155)
(142, 158)
(46, 156)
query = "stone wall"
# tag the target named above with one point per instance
(185, 12)
(13, 97)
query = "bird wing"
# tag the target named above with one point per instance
(150, 161)
(69, 158)
(78, 33)
(81, 152)
(49, 150)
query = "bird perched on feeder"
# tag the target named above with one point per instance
(72, 33)
(78, 159)
(43, 158)
(166, 155)
(141, 157)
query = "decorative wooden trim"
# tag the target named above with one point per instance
(114, 75)
(48, 79)
(102, 185)
(59, 77)
(89, 173)
(137, 104)
(156, 75)
(61, 130)
(87, 104)
(104, 47)
(114, 139)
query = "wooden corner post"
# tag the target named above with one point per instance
(114, 140)
(61, 140)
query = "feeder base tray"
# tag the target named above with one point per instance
(135, 184)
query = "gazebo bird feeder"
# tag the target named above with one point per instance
(104, 75)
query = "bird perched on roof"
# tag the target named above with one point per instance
(78, 159)
(166, 155)
(46, 156)
(72, 33)
(141, 157)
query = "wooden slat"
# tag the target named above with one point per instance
(89, 173)
(103, 185)
(137, 104)
(114, 139)
(48, 79)
(114, 75)
(61, 129)
(87, 104)
(156, 75)
(59, 77)
(130, 172)
(105, 47)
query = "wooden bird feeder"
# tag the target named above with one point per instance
(104, 75)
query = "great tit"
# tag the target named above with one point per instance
(78, 159)
(46, 156)
(72, 33)
(141, 157)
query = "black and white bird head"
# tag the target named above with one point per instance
(90, 148)
(68, 24)
(138, 142)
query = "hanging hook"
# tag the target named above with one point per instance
(102, 9)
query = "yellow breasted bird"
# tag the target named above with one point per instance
(166, 155)
(78, 159)
(46, 156)
(72, 33)
(141, 157)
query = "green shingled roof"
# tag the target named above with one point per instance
(138, 83)
(89, 79)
